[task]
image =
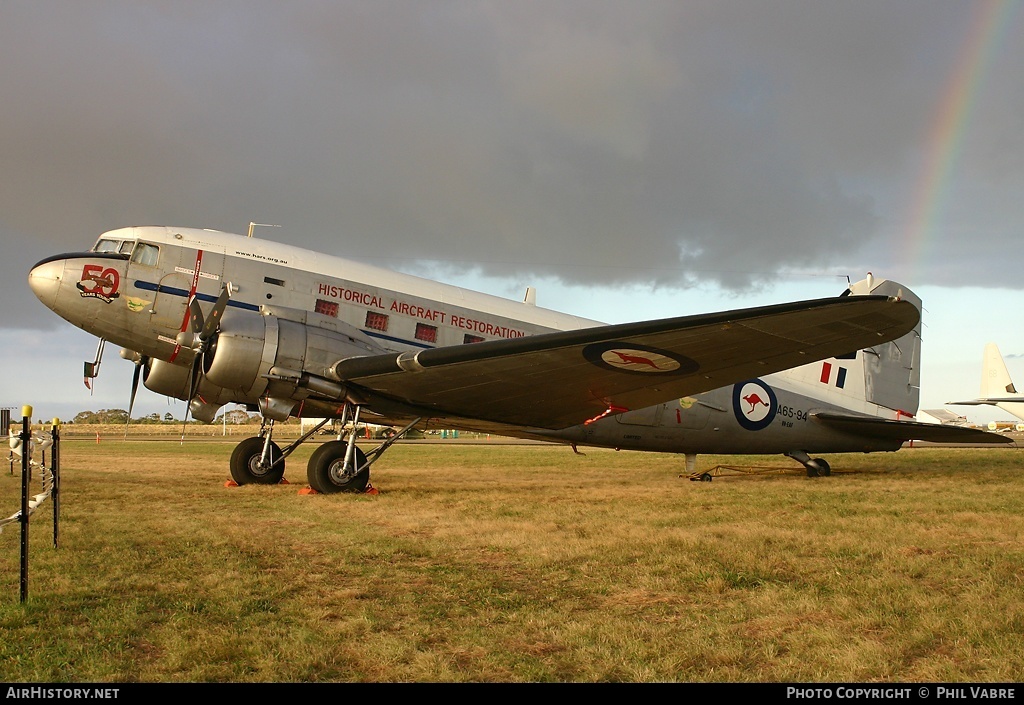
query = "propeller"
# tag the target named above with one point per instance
(136, 376)
(140, 362)
(200, 336)
(203, 331)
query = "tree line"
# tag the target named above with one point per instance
(120, 416)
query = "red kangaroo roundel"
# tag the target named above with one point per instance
(754, 404)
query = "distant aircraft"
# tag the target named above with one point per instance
(996, 386)
(214, 318)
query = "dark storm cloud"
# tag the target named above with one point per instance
(606, 143)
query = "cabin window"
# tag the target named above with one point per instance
(146, 254)
(376, 321)
(467, 339)
(426, 332)
(327, 308)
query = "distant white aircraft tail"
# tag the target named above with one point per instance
(996, 386)
(995, 378)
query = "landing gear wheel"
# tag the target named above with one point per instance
(327, 473)
(818, 466)
(247, 467)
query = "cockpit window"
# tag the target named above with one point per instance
(107, 246)
(146, 254)
(126, 247)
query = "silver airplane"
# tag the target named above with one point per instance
(213, 318)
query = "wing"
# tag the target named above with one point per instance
(562, 379)
(887, 429)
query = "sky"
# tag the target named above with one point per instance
(630, 160)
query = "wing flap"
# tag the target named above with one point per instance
(556, 380)
(888, 429)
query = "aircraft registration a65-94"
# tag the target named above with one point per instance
(214, 318)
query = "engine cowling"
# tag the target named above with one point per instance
(176, 381)
(249, 345)
(166, 378)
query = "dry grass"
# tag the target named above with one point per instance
(520, 563)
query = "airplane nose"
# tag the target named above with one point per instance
(44, 280)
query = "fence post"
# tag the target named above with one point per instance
(26, 452)
(5, 424)
(55, 477)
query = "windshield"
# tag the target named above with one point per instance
(107, 246)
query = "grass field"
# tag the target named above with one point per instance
(506, 563)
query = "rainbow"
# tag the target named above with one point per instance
(946, 135)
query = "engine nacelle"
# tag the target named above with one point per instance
(176, 381)
(202, 411)
(167, 378)
(249, 345)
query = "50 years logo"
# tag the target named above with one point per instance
(99, 283)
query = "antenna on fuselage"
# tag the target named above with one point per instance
(262, 225)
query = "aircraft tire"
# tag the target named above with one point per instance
(818, 467)
(326, 466)
(245, 463)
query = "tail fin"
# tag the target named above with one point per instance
(995, 379)
(887, 375)
(892, 371)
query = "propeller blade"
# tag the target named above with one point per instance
(202, 330)
(193, 390)
(136, 375)
(210, 327)
(197, 368)
(184, 424)
(195, 315)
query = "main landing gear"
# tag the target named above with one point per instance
(336, 466)
(257, 461)
(815, 466)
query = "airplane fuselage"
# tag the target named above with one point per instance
(291, 314)
(135, 291)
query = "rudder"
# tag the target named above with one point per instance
(995, 378)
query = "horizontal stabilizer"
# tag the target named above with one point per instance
(891, 430)
(1017, 399)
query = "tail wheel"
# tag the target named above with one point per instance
(248, 467)
(818, 466)
(328, 474)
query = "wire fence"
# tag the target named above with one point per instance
(25, 445)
